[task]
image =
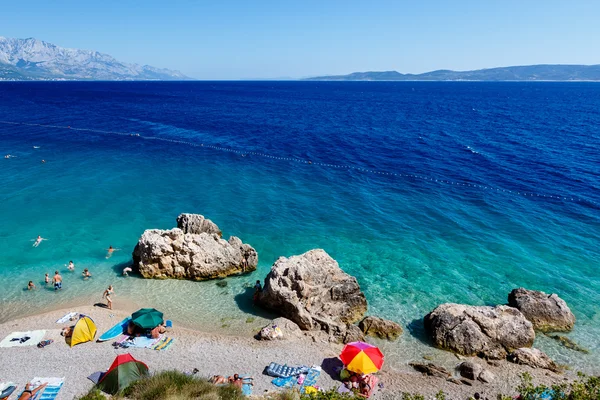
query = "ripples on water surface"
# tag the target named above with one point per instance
(413, 243)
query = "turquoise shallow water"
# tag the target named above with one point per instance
(412, 242)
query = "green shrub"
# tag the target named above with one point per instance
(173, 385)
(585, 388)
(93, 394)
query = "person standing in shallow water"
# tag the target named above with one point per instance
(106, 295)
(57, 280)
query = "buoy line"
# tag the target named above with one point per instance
(304, 161)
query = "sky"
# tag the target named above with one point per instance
(254, 39)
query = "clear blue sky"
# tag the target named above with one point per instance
(237, 39)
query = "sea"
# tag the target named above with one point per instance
(427, 192)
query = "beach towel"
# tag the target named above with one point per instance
(19, 339)
(44, 343)
(50, 392)
(311, 378)
(287, 382)
(67, 317)
(283, 371)
(168, 323)
(163, 343)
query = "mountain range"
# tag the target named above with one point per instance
(32, 59)
(542, 72)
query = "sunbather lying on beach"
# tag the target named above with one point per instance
(235, 380)
(29, 393)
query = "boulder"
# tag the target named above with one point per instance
(486, 376)
(280, 328)
(382, 328)
(312, 290)
(196, 224)
(535, 358)
(547, 313)
(469, 370)
(175, 254)
(490, 332)
(431, 370)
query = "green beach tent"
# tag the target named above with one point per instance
(123, 372)
(147, 318)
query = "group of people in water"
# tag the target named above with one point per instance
(57, 279)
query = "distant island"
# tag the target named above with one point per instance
(543, 72)
(33, 59)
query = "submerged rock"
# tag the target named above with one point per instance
(568, 343)
(490, 332)
(547, 313)
(380, 327)
(534, 358)
(431, 369)
(198, 256)
(313, 291)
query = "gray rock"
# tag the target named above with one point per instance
(534, 358)
(174, 254)
(382, 328)
(469, 369)
(431, 369)
(312, 290)
(288, 329)
(454, 380)
(547, 313)
(486, 376)
(196, 224)
(490, 332)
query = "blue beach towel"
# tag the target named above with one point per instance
(287, 382)
(51, 390)
(311, 378)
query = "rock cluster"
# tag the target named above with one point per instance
(484, 331)
(198, 253)
(313, 291)
(547, 313)
(382, 328)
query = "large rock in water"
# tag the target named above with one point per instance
(197, 256)
(490, 332)
(312, 290)
(547, 313)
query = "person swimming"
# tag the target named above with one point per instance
(86, 274)
(71, 266)
(30, 286)
(38, 241)
(126, 271)
(110, 250)
(47, 279)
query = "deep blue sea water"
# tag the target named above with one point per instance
(427, 192)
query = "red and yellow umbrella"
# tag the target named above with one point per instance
(362, 358)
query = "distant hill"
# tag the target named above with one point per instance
(544, 72)
(32, 59)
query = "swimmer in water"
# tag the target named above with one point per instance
(38, 241)
(30, 286)
(126, 271)
(86, 274)
(110, 251)
(47, 279)
(71, 266)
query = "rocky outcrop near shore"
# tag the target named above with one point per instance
(197, 224)
(381, 328)
(199, 254)
(534, 358)
(313, 291)
(490, 332)
(547, 313)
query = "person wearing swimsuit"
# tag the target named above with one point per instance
(107, 293)
(30, 393)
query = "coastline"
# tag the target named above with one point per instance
(220, 354)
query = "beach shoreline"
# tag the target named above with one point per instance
(217, 354)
